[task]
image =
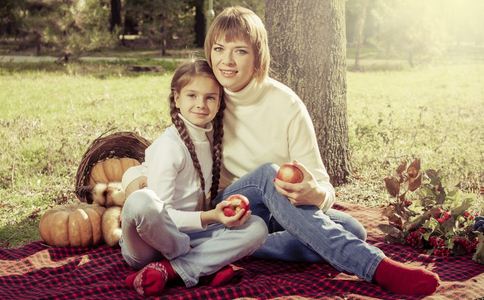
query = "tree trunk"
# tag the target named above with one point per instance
(308, 47)
(115, 15)
(199, 23)
(360, 27)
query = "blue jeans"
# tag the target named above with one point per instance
(149, 234)
(305, 233)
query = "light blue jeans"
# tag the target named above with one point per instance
(305, 233)
(149, 234)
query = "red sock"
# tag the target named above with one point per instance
(151, 280)
(223, 276)
(401, 279)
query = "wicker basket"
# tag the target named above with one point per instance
(115, 145)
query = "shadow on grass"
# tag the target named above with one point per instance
(377, 66)
(98, 68)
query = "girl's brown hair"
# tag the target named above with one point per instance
(184, 74)
(241, 23)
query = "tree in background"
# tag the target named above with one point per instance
(414, 28)
(308, 47)
(10, 17)
(164, 23)
(68, 27)
(116, 15)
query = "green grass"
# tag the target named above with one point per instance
(49, 114)
(434, 113)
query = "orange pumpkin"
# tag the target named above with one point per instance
(111, 225)
(111, 170)
(72, 225)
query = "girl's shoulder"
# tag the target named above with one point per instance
(168, 140)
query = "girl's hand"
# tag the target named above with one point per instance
(307, 192)
(236, 220)
(217, 215)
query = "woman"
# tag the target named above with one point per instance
(265, 121)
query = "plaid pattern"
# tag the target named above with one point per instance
(37, 271)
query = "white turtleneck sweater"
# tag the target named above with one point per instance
(268, 122)
(172, 176)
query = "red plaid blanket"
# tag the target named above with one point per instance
(37, 271)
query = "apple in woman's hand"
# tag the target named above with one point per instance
(236, 203)
(289, 172)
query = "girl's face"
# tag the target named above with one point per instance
(199, 100)
(233, 63)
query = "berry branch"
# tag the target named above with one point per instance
(424, 215)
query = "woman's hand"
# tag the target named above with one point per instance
(217, 215)
(307, 192)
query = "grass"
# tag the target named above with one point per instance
(50, 113)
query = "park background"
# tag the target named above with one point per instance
(73, 70)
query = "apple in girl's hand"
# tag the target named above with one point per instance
(236, 203)
(289, 172)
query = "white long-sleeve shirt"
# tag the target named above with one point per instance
(268, 122)
(172, 176)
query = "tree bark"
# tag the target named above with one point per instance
(115, 15)
(308, 47)
(199, 23)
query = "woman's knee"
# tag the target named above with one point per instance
(268, 169)
(348, 222)
(357, 229)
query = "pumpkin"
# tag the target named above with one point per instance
(110, 170)
(108, 194)
(111, 225)
(72, 225)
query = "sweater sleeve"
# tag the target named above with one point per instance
(303, 147)
(164, 160)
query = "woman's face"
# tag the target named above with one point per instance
(233, 63)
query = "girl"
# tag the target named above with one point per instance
(302, 224)
(171, 220)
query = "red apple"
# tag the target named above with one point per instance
(289, 172)
(236, 203)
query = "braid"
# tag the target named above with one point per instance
(182, 130)
(218, 133)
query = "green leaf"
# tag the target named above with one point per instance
(431, 224)
(434, 176)
(465, 205)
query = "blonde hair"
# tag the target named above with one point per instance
(241, 23)
(184, 74)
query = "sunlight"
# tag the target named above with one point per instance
(36, 261)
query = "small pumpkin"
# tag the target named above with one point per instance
(111, 225)
(72, 225)
(111, 170)
(109, 194)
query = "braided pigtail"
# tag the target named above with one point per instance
(182, 130)
(218, 134)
